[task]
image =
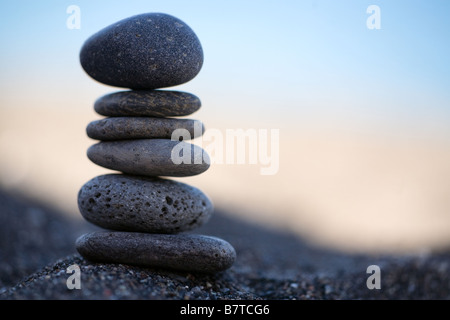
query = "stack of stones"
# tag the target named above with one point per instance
(145, 212)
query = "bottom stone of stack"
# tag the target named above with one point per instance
(183, 252)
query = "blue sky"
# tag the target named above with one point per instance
(274, 59)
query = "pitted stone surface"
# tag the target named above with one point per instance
(153, 205)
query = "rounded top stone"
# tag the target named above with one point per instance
(146, 51)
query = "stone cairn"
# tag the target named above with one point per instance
(145, 212)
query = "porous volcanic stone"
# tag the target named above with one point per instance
(146, 51)
(150, 157)
(185, 252)
(122, 128)
(143, 204)
(147, 103)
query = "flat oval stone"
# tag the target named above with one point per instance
(150, 157)
(121, 128)
(146, 51)
(184, 252)
(143, 204)
(147, 103)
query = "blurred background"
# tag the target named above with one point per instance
(363, 114)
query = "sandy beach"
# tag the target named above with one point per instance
(336, 187)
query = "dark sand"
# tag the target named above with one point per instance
(37, 245)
